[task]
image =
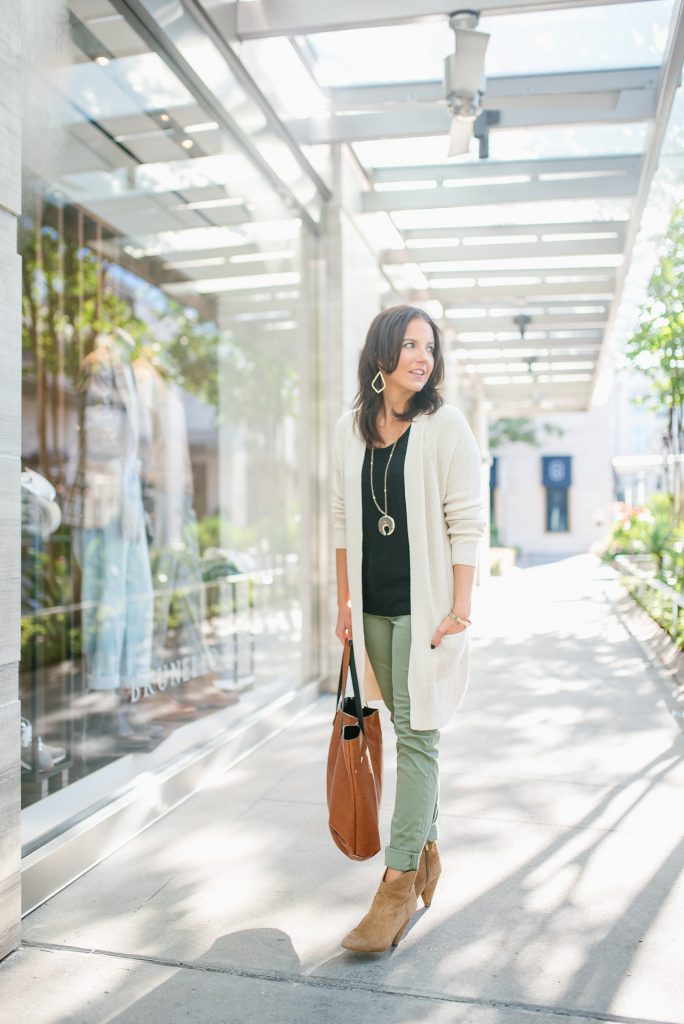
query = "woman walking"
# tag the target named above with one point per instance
(407, 521)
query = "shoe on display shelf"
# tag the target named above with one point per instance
(48, 756)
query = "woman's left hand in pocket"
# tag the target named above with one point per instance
(446, 627)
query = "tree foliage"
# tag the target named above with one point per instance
(526, 431)
(657, 349)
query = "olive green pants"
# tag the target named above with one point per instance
(416, 805)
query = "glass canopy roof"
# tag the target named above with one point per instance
(199, 129)
(544, 225)
(573, 39)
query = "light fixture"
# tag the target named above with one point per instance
(102, 60)
(202, 126)
(187, 143)
(464, 79)
(211, 204)
(522, 320)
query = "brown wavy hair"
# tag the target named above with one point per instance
(381, 351)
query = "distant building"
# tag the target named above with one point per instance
(556, 498)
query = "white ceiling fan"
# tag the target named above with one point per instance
(464, 79)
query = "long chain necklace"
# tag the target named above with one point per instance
(385, 523)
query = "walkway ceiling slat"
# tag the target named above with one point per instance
(417, 120)
(260, 19)
(553, 191)
(562, 85)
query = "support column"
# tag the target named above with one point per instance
(465, 391)
(10, 500)
(353, 295)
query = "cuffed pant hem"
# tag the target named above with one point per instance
(401, 860)
(432, 835)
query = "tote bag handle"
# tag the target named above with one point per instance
(349, 664)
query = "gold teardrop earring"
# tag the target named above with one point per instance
(383, 383)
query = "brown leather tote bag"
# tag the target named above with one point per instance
(354, 780)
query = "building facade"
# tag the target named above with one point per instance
(182, 312)
(558, 497)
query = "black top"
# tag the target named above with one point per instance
(386, 574)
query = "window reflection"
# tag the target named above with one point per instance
(161, 518)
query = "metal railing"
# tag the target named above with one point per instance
(668, 597)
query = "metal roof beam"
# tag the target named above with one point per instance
(481, 195)
(586, 166)
(539, 408)
(513, 230)
(154, 216)
(470, 350)
(226, 270)
(263, 18)
(417, 121)
(532, 293)
(502, 250)
(570, 85)
(567, 322)
(222, 252)
(512, 368)
(580, 337)
(541, 366)
(551, 309)
(220, 285)
(605, 275)
(504, 389)
(233, 306)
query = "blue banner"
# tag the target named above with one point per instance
(556, 470)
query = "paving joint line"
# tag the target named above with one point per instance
(322, 981)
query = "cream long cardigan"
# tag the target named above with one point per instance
(445, 522)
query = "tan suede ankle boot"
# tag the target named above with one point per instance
(421, 873)
(393, 906)
(429, 870)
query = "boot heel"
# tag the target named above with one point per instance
(433, 870)
(397, 938)
(429, 892)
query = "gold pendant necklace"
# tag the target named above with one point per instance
(385, 523)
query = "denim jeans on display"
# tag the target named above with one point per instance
(116, 591)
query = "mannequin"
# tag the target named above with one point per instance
(105, 505)
(167, 497)
(170, 518)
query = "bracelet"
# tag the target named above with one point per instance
(457, 618)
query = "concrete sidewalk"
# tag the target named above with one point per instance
(562, 838)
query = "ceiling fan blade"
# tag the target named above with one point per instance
(467, 61)
(460, 134)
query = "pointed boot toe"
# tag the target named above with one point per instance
(393, 906)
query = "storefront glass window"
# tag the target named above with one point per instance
(165, 541)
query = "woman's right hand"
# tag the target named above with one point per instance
(343, 630)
